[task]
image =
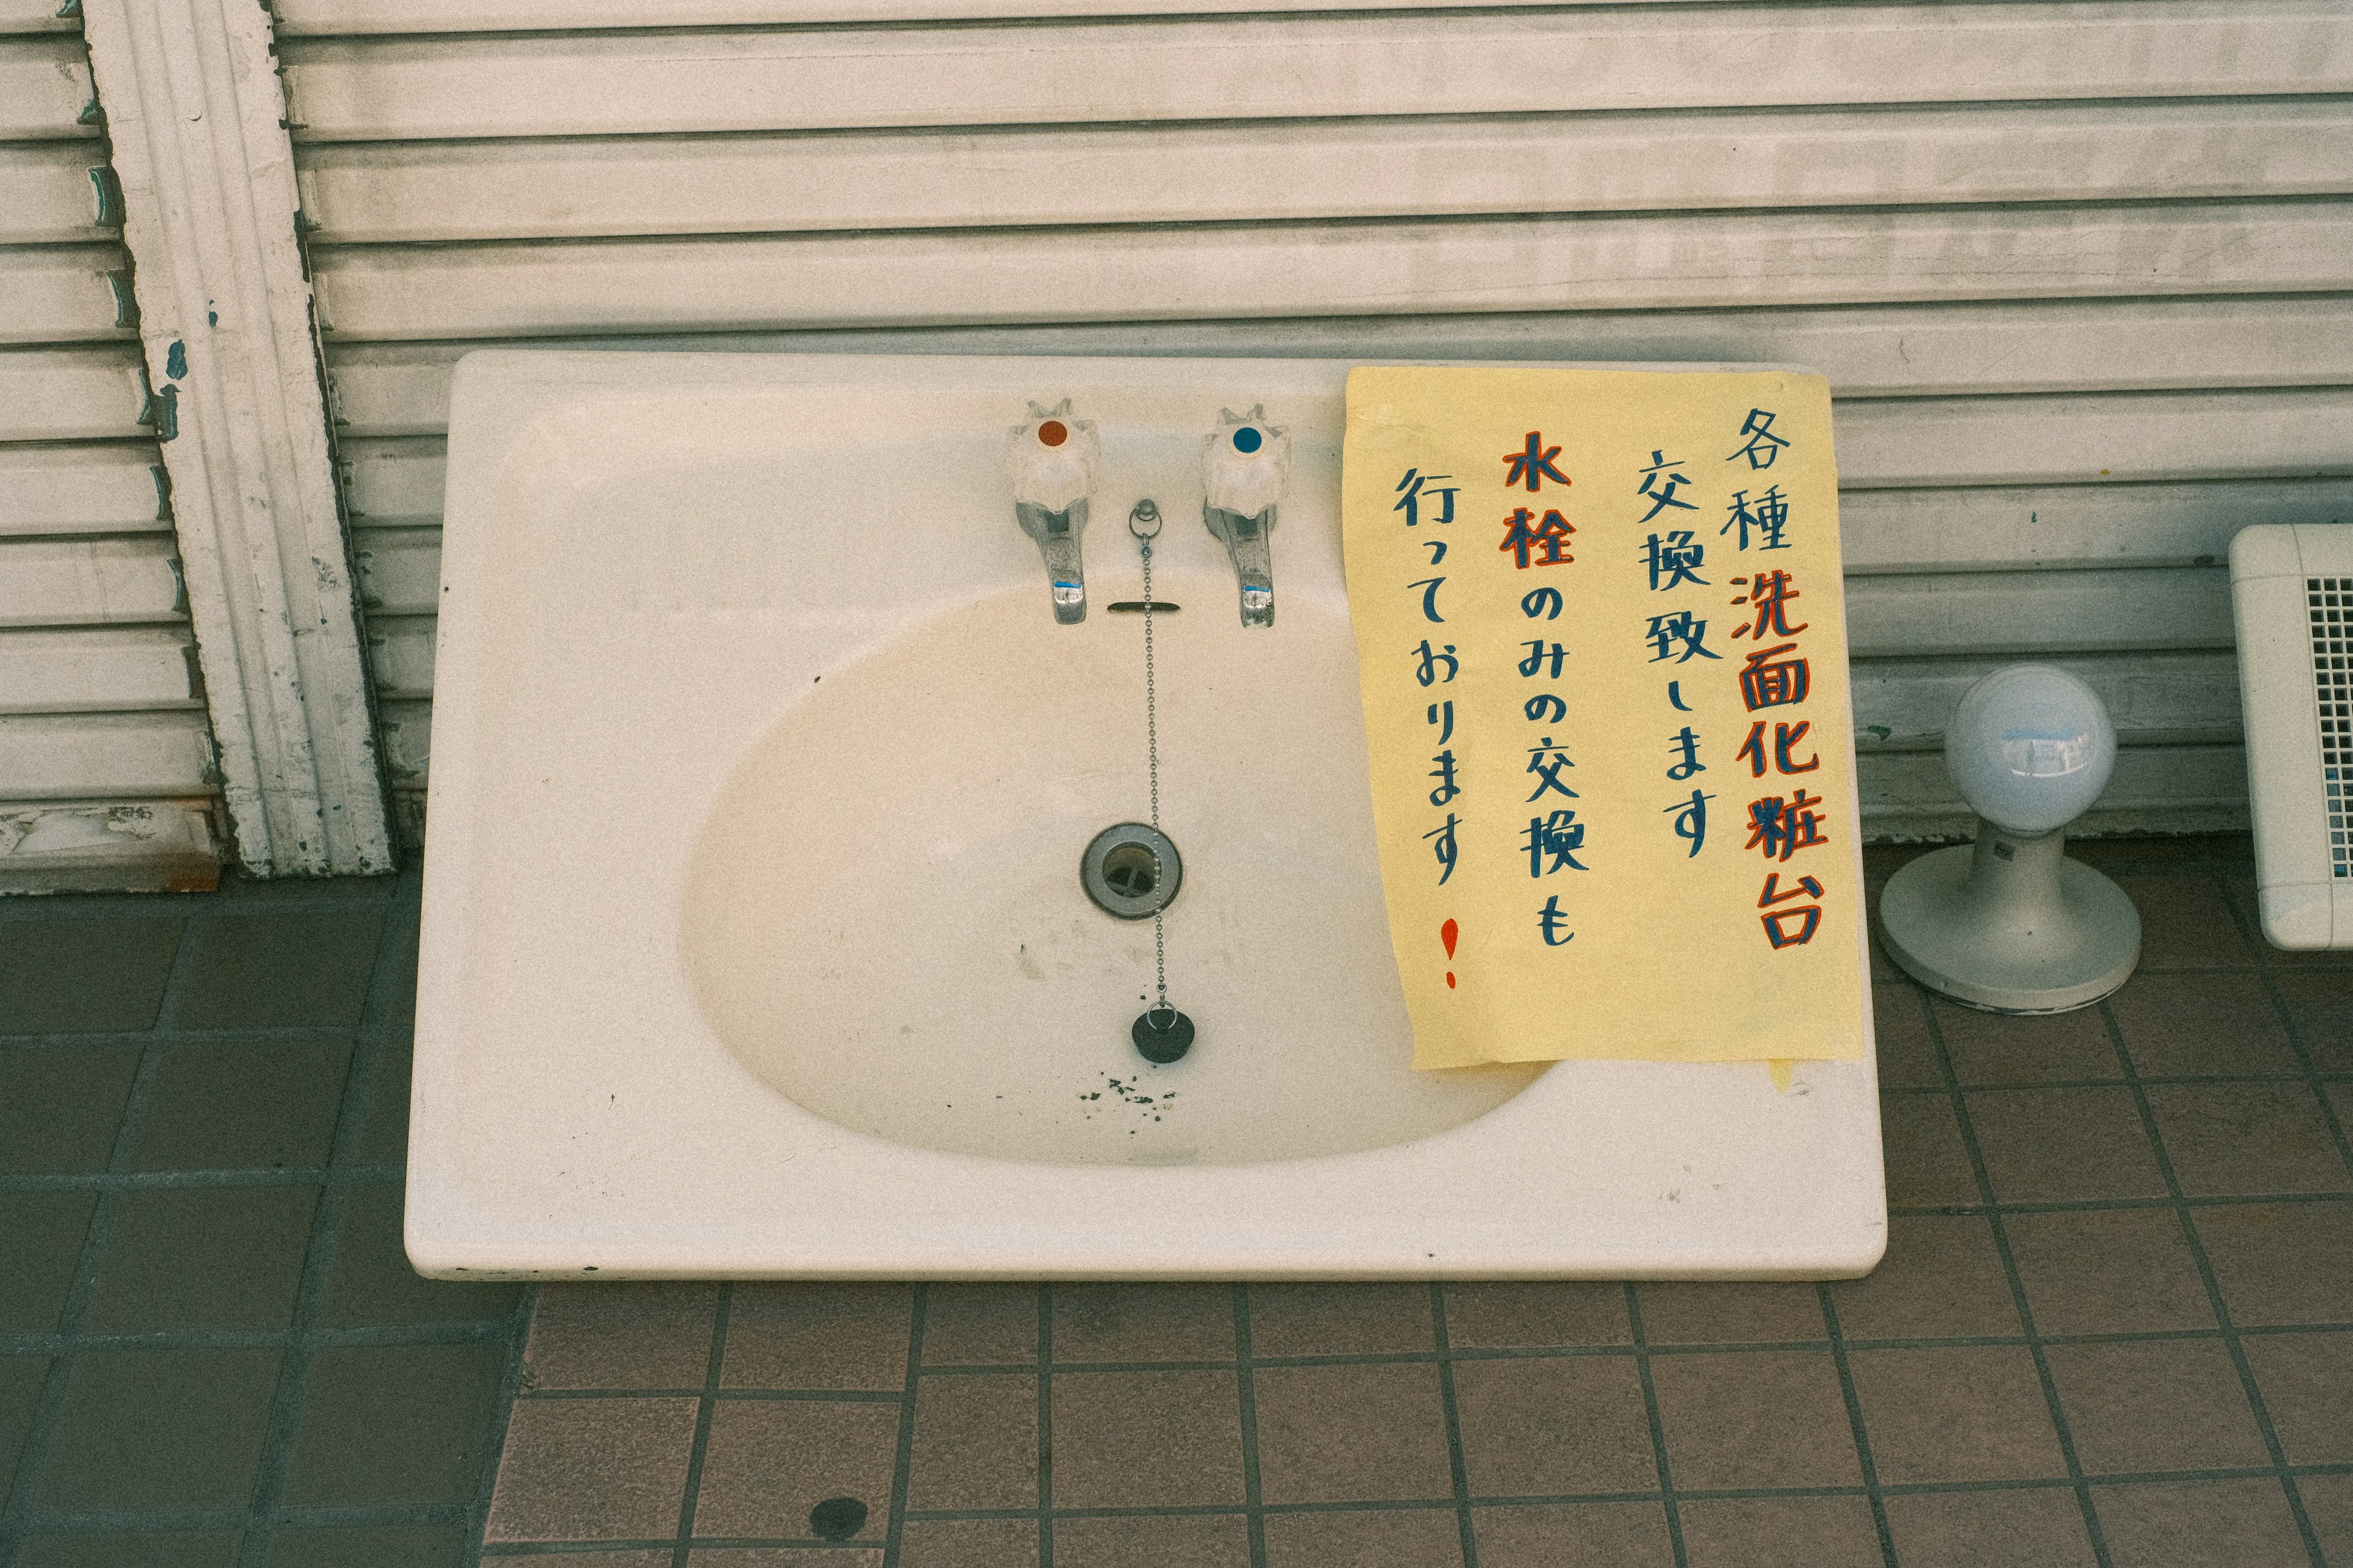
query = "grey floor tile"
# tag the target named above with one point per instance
(818, 1336)
(383, 1136)
(1534, 1314)
(2320, 1004)
(121, 1548)
(21, 1378)
(2146, 1406)
(2185, 922)
(951, 1543)
(1899, 1023)
(2307, 1381)
(2200, 1026)
(1559, 1535)
(245, 1105)
(1142, 1322)
(2065, 1144)
(2230, 1138)
(980, 1325)
(1992, 1048)
(1781, 1533)
(2328, 1504)
(372, 1546)
(1385, 1538)
(373, 1282)
(45, 1232)
(593, 1470)
(1147, 1439)
(159, 1429)
(975, 1442)
(82, 976)
(60, 1107)
(1729, 1313)
(2108, 1271)
(2039, 1525)
(1956, 1413)
(408, 1424)
(2195, 1525)
(771, 1461)
(1927, 1162)
(2281, 1263)
(1351, 1434)
(1162, 1540)
(273, 971)
(644, 1334)
(1942, 1279)
(1340, 1320)
(1554, 1426)
(218, 1258)
(1755, 1418)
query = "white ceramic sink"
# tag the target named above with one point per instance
(754, 941)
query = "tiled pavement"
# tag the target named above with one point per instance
(212, 1352)
(2114, 1327)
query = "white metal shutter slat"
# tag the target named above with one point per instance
(297, 18)
(1905, 703)
(60, 293)
(86, 581)
(2033, 614)
(97, 669)
(400, 656)
(1288, 67)
(71, 394)
(400, 570)
(1427, 168)
(44, 88)
(403, 389)
(54, 757)
(47, 194)
(1825, 258)
(2071, 525)
(81, 489)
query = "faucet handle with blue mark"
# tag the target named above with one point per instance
(1243, 467)
(1051, 457)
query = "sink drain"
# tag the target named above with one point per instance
(1130, 871)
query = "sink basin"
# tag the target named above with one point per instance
(754, 941)
(884, 919)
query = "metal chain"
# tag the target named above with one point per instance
(1146, 513)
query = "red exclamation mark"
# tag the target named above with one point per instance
(1447, 933)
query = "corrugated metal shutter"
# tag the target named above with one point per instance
(106, 760)
(2077, 271)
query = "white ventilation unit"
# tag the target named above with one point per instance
(2292, 591)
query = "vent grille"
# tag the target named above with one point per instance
(2330, 600)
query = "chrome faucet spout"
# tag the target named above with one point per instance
(1059, 534)
(1246, 546)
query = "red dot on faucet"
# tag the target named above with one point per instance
(1053, 433)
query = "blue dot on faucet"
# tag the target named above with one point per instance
(1248, 439)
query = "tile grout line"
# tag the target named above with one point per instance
(1045, 1424)
(691, 1493)
(2035, 1349)
(50, 1410)
(1456, 1463)
(396, 943)
(1658, 1426)
(1868, 1467)
(478, 1512)
(2215, 1303)
(904, 1456)
(1246, 1398)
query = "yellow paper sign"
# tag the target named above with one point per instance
(1602, 638)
